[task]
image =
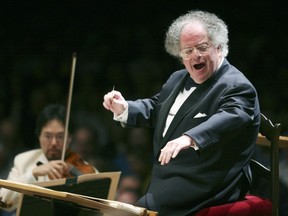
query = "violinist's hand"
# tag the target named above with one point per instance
(55, 169)
(115, 102)
(173, 147)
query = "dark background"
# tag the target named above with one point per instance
(121, 43)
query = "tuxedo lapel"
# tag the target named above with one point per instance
(190, 105)
(192, 102)
(165, 108)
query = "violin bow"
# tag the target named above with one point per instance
(69, 104)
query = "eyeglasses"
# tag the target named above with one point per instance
(201, 49)
(49, 137)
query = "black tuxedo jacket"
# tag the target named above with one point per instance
(222, 115)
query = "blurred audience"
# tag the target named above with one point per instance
(129, 189)
(91, 141)
(135, 155)
(10, 145)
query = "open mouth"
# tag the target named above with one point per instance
(199, 66)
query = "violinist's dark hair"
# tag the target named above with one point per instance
(51, 112)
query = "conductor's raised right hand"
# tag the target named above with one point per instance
(115, 102)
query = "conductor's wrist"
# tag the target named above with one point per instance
(192, 143)
(123, 116)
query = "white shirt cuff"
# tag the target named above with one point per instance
(195, 146)
(30, 178)
(122, 117)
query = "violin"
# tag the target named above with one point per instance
(77, 166)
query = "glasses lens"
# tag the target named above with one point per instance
(201, 49)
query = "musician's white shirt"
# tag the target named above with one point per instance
(21, 172)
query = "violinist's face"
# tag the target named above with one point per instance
(52, 139)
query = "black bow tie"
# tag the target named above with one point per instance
(39, 163)
(190, 83)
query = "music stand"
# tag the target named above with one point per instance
(101, 185)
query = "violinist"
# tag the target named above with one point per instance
(45, 163)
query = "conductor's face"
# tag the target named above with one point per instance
(52, 139)
(200, 57)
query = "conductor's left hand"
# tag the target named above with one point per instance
(173, 147)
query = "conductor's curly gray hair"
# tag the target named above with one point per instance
(216, 28)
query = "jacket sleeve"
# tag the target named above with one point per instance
(15, 175)
(142, 112)
(238, 109)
